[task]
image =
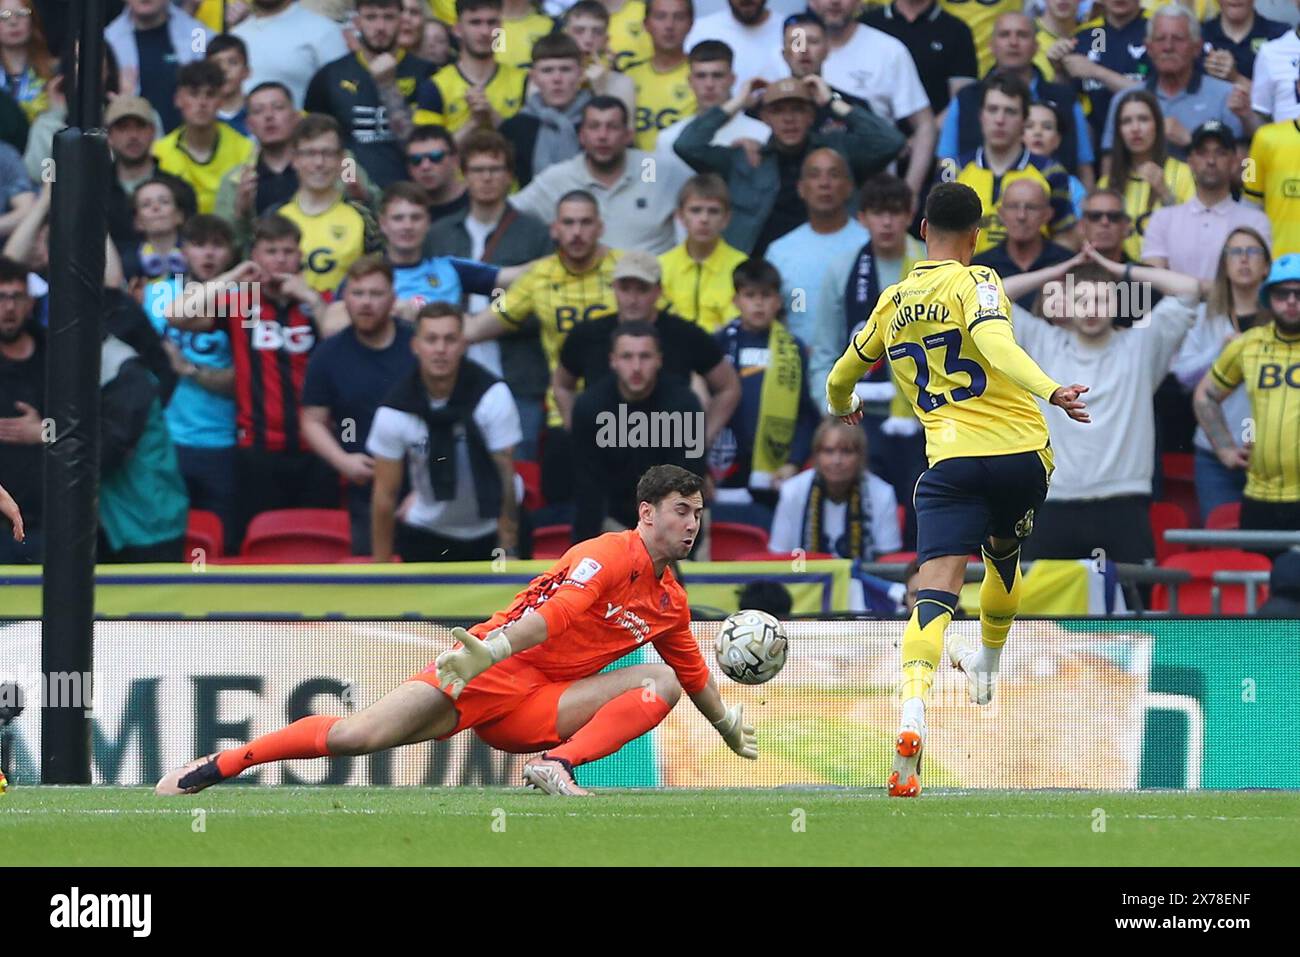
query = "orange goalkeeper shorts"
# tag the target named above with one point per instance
(512, 706)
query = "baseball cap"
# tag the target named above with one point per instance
(124, 106)
(1213, 129)
(786, 89)
(637, 264)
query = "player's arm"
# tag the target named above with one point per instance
(864, 351)
(988, 320)
(1207, 402)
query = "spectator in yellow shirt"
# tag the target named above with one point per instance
(697, 279)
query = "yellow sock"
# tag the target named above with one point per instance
(999, 596)
(923, 641)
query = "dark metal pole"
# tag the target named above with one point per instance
(78, 229)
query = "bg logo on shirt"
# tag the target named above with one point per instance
(271, 336)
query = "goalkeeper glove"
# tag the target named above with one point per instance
(457, 667)
(739, 736)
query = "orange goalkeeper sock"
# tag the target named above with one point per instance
(305, 738)
(619, 721)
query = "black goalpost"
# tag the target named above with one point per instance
(78, 230)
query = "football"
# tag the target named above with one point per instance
(751, 647)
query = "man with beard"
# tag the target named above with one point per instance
(1266, 358)
(754, 34)
(288, 43)
(372, 91)
(476, 91)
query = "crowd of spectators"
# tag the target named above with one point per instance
(374, 254)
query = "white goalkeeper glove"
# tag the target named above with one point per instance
(457, 667)
(739, 736)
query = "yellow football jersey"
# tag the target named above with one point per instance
(702, 292)
(505, 91)
(1269, 364)
(980, 15)
(520, 34)
(332, 241)
(973, 170)
(926, 324)
(560, 299)
(628, 41)
(1271, 179)
(661, 100)
(1139, 203)
(205, 178)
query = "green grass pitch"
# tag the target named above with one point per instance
(414, 826)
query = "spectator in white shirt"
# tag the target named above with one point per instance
(1100, 493)
(873, 66)
(288, 43)
(754, 34)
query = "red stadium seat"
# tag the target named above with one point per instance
(552, 541)
(1224, 517)
(206, 532)
(1179, 483)
(727, 540)
(531, 473)
(764, 555)
(300, 535)
(1194, 598)
(1164, 516)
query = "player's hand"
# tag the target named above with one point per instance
(1237, 457)
(9, 509)
(853, 416)
(459, 666)
(1067, 398)
(739, 736)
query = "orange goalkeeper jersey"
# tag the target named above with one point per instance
(601, 600)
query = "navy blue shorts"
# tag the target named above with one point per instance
(960, 502)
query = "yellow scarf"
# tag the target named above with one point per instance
(778, 405)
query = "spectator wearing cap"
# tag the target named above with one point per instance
(765, 197)
(1188, 238)
(152, 40)
(1188, 97)
(1266, 359)
(627, 422)
(687, 349)
(637, 209)
(129, 121)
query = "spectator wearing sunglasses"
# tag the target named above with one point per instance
(432, 164)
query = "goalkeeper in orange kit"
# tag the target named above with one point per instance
(528, 679)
